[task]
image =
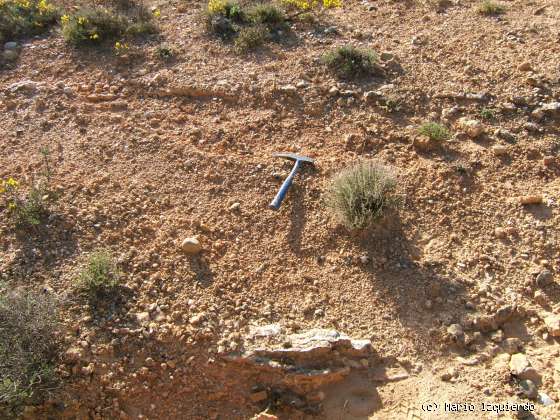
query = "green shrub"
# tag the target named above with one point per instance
(359, 195)
(250, 38)
(25, 18)
(268, 15)
(29, 348)
(93, 26)
(434, 131)
(487, 113)
(99, 276)
(141, 21)
(223, 18)
(165, 52)
(489, 7)
(348, 61)
(25, 209)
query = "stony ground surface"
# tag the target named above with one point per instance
(146, 153)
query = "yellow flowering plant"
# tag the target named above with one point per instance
(96, 25)
(27, 209)
(312, 4)
(25, 17)
(121, 48)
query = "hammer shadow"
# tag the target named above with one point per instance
(396, 271)
(297, 217)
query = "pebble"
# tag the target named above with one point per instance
(500, 150)
(197, 319)
(386, 56)
(531, 199)
(544, 278)
(518, 364)
(511, 345)
(526, 66)
(288, 89)
(500, 233)
(235, 207)
(10, 55)
(505, 135)
(11, 45)
(473, 128)
(456, 332)
(548, 160)
(142, 317)
(371, 96)
(545, 399)
(552, 323)
(333, 91)
(364, 259)
(191, 246)
(529, 388)
(531, 127)
(258, 396)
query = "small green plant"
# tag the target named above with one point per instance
(360, 195)
(30, 209)
(268, 15)
(25, 17)
(490, 7)
(94, 26)
(99, 276)
(165, 52)
(434, 131)
(224, 18)
(29, 348)
(25, 210)
(250, 38)
(487, 113)
(308, 5)
(392, 105)
(348, 61)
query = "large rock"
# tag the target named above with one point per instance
(521, 368)
(303, 362)
(518, 364)
(26, 86)
(552, 323)
(10, 55)
(473, 128)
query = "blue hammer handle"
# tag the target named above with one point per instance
(277, 202)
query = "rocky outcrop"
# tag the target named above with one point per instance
(303, 362)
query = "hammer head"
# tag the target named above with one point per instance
(294, 156)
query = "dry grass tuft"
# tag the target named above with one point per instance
(434, 131)
(361, 194)
(99, 276)
(28, 349)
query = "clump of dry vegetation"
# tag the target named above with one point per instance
(490, 7)
(348, 62)
(25, 18)
(249, 28)
(268, 15)
(361, 194)
(96, 25)
(99, 276)
(250, 38)
(29, 347)
(434, 131)
(31, 208)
